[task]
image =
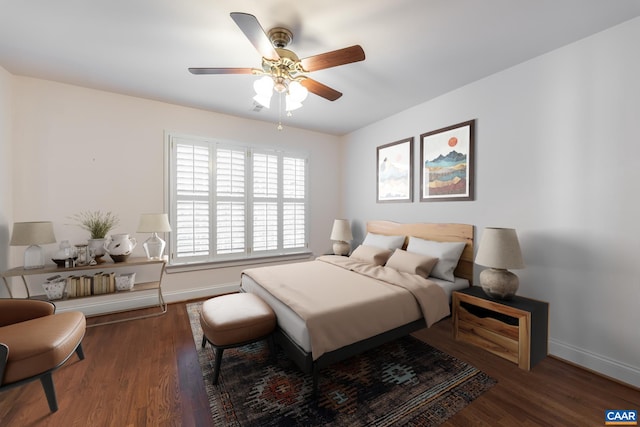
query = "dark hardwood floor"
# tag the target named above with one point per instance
(146, 373)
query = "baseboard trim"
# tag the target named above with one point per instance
(597, 363)
(197, 293)
(114, 303)
(110, 303)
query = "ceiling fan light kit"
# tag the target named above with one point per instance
(296, 94)
(264, 88)
(282, 71)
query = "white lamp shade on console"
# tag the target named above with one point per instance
(499, 250)
(341, 234)
(154, 223)
(32, 234)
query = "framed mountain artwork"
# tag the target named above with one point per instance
(446, 163)
(395, 172)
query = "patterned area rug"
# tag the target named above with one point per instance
(405, 382)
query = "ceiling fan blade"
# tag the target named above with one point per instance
(319, 89)
(221, 70)
(333, 58)
(253, 31)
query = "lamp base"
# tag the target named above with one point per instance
(33, 257)
(154, 247)
(341, 248)
(499, 283)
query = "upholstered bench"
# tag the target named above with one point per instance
(34, 342)
(234, 320)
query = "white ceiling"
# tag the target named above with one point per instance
(415, 49)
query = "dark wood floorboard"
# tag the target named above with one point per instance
(137, 373)
(146, 373)
(553, 393)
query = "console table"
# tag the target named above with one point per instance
(129, 264)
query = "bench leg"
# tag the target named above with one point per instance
(216, 364)
(80, 352)
(49, 391)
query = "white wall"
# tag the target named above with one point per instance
(81, 149)
(557, 154)
(6, 206)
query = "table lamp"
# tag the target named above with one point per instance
(499, 250)
(32, 234)
(154, 223)
(341, 234)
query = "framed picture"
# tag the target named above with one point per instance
(395, 172)
(446, 163)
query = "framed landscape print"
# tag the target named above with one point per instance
(395, 172)
(446, 163)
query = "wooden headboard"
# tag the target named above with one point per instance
(436, 232)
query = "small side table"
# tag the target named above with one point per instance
(516, 330)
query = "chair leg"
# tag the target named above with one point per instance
(216, 364)
(80, 352)
(49, 391)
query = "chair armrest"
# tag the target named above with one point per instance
(19, 310)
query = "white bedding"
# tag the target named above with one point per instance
(295, 327)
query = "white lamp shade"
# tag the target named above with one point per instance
(341, 231)
(263, 100)
(264, 89)
(32, 233)
(297, 92)
(263, 86)
(295, 95)
(154, 223)
(499, 248)
(291, 105)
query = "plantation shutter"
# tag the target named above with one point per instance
(294, 203)
(230, 205)
(229, 201)
(192, 200)
(265, 202)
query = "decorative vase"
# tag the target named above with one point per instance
(120, 247)
(96, 249)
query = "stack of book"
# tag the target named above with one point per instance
(86, 285)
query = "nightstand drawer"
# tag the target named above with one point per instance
(515, 330)
(504, 325)
(488, 339)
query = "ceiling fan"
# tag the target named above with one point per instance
(282, 65)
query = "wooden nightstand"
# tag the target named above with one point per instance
(515, 330)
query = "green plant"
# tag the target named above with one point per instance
(96, 222)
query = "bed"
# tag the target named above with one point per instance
(330, 309)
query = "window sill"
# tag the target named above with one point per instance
(195, 266)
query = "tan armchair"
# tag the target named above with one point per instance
(34, 342)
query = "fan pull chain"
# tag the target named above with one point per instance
(280, 112)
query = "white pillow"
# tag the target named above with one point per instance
(382, 241)
(448, 254)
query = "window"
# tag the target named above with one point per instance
(228, 201)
